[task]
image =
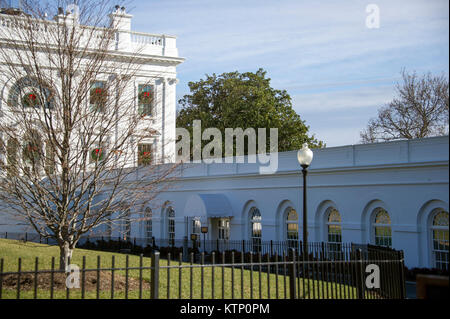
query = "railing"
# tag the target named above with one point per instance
(136, 245)
(277, 277)
(15, 23)
(323, 272)
(145, 38)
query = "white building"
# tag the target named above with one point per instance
(156, 56)
(393, 194)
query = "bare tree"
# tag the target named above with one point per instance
(70, 125)
(419, 110)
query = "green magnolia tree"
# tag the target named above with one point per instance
(244, 100)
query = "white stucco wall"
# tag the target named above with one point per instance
(407, 178)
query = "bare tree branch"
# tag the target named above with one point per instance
(70, 125)
(421, 109)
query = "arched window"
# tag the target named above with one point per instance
(171, 225)
(382, 228)
(148, 231)
(334, 230)
(440, 246)
(255, 228)
(292, 227)
(30, 93)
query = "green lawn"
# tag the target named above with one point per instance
(11, 250)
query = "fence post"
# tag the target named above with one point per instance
(243, 246)
(154, 280)
(292, 275)
(185, 249)
(271, 248)
(401, 260)
(359, 274)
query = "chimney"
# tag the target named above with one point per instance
(120, 20)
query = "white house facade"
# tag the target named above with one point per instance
(393, 194)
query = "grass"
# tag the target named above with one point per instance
(264, 285)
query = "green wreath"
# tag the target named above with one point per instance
(145, 157)
(145, 97)
(97, 154)
(30, 100)
(98, 96)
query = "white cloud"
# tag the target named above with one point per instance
(321, 52)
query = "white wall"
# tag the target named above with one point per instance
(407, 178)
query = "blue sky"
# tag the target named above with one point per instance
(338, 71)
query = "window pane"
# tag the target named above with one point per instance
(144, 154)
(256, 227)
(145, 100)
(440, 244)
(98, 96)
(382, 217)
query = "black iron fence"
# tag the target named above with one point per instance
(357, 274)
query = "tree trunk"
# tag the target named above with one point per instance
(65, 255)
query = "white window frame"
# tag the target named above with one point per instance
(255, 238)
(440, 229)
(292, 242)
(170, 218)
(148, 225)
(374, 225)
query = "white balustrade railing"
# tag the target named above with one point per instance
(145, 38)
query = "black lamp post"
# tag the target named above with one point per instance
(305, 156)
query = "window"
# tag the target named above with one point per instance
(196, 226)
(440, 246)
(98, 96)
(145, 154)
(224, 228)
(29, 93)
(382, 228)
(171, 225)
(334, 230)
(255, 228)
(148, 225)
(292, 228)
(145, 100)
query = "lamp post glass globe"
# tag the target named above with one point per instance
(305, 155)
